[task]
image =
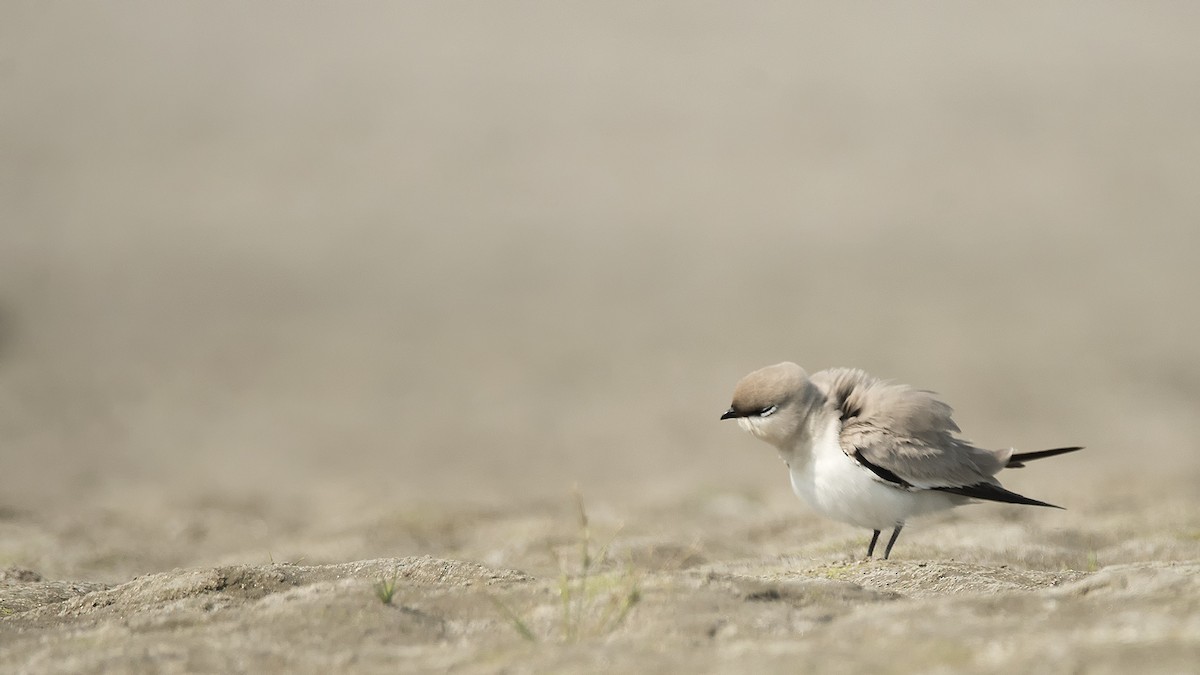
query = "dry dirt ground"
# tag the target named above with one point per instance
(726, 584)
(307, 307)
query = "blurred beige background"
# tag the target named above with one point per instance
(478, 252)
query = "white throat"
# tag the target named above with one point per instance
(755, 426)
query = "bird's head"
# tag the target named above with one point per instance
(772, 403)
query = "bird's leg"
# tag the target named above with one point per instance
(871, 548)
(891, 542)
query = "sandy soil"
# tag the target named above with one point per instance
(724, 585)
(299, 302)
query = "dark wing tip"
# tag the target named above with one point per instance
(1018, 459)
(883, 473)
(994, 493)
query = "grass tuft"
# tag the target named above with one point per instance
(385, 589)
(515, 621)
(590, 604)
(593, 605)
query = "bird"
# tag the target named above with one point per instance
(867, 452)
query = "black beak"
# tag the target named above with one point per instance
(731, 413)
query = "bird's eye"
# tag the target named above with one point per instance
(767, 412)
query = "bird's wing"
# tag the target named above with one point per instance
(905, 436)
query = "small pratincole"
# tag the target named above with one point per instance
(866, 452)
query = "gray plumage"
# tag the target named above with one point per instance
(907, 431)
(869, 452)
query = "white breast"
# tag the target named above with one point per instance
(840, 488)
